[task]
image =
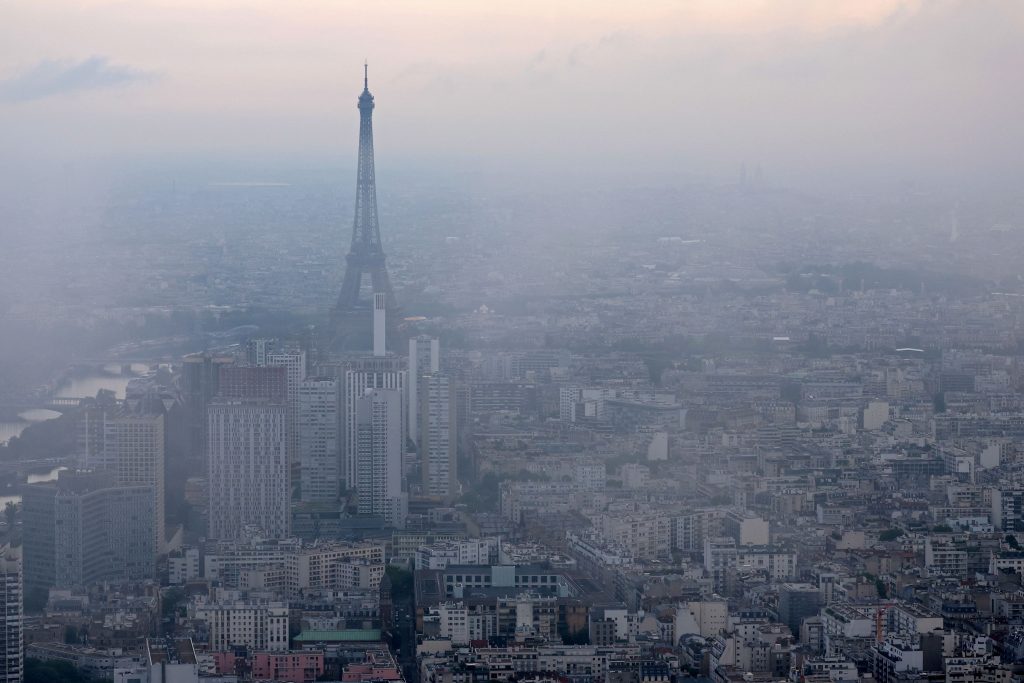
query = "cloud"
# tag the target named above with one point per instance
(54, 77)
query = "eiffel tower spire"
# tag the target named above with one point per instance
(366, 255)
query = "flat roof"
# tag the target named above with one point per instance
(358, 635)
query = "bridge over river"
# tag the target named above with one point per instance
(61, 404)
(58, 404)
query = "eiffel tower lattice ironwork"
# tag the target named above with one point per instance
(366, 255)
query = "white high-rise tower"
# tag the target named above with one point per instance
(380, 300)
(424, 358)
(378, 455)
(437, 436)
(357, 382)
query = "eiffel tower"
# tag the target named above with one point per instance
(351, 316)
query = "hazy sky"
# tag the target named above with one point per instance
(801, 86)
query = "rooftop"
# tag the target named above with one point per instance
(345, 635)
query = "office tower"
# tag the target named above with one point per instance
(256, 351)
(366, 254)
(200, 379)
(263, 383)
(84, 529)
(129, 444)
(248, 468)
(369, 373)
(90, 431)
(378, 461)
(294, 364)
(319, 429)
(12, 644)
(424, 358)
(135, 453)
(437, 436)
(89, 449)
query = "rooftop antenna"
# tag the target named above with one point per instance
(366, 75)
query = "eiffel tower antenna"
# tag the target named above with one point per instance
(351, 316)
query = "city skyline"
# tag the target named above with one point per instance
(697, 357)
(717, 84)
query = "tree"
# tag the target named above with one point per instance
(36, 599)
(38, 671)
(656, 366)
(580, 637)
(890, 534)
(401, 582)
(483, 495)
(790, 391)
(170, 602)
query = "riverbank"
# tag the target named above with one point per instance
(40, 441)
(79, 381)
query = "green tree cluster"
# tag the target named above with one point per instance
(39, 671)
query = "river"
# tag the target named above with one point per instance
(77, 387)
(85, 386)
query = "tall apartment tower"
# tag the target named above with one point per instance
(12, 642)
(294, 363)
(200, 382)
(365, 374)
(424, 358)
(248, 469)
(437, 432)
(378, 455)
(319, 427)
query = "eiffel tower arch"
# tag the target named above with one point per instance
(351, 316)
